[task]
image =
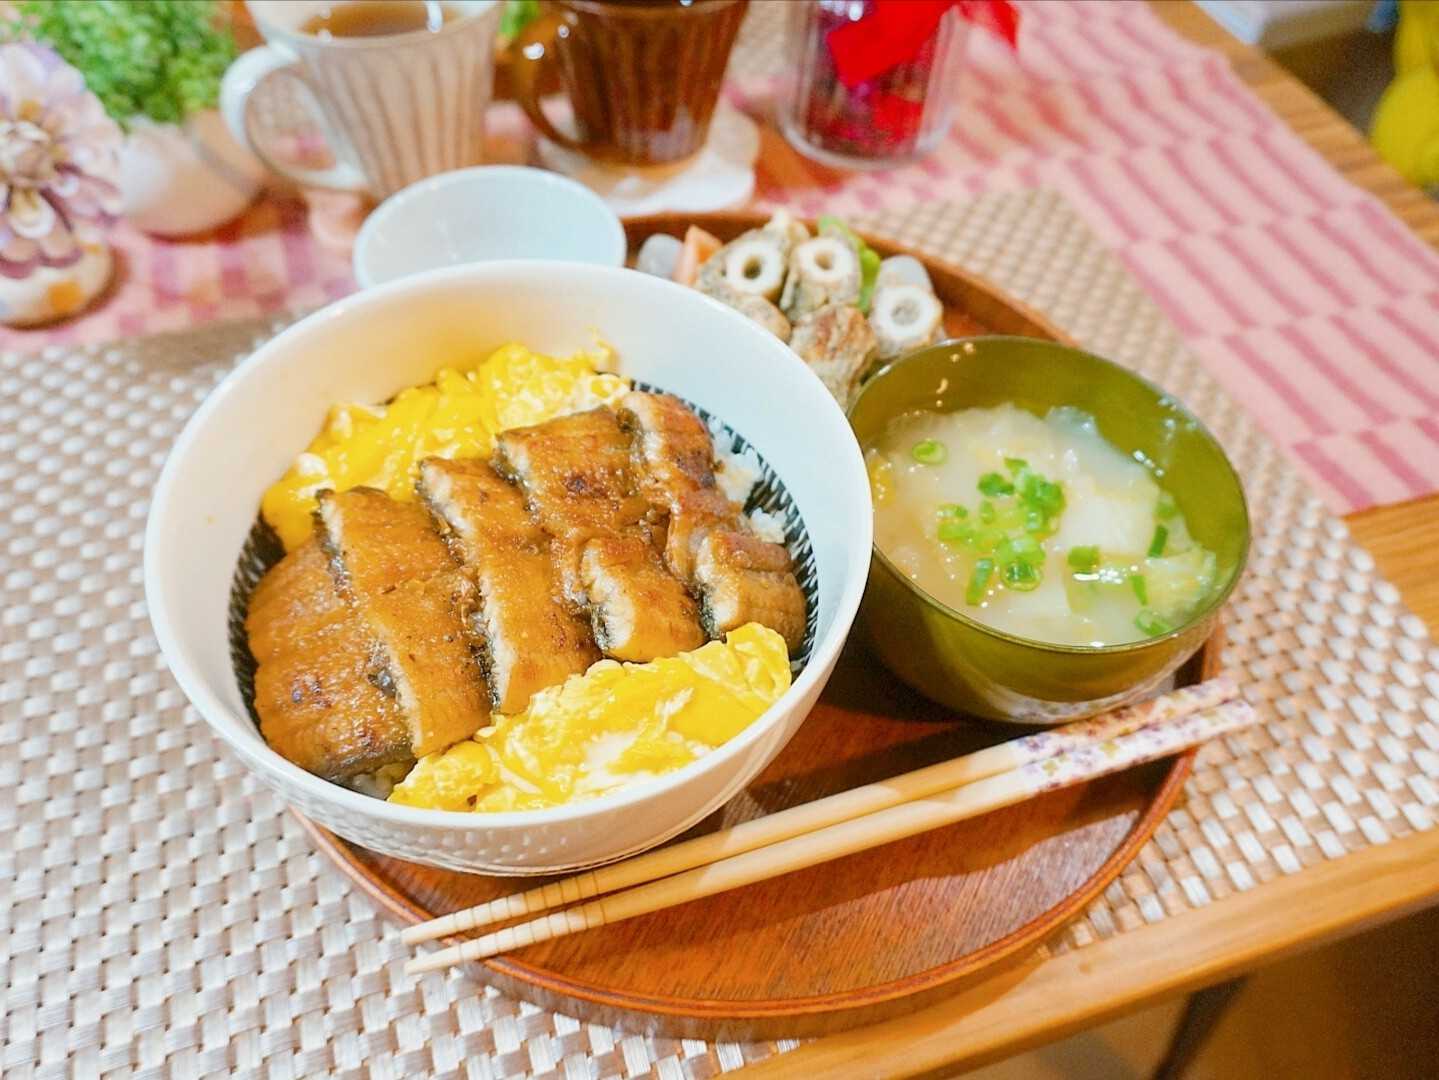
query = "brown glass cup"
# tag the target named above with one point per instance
(643, 76)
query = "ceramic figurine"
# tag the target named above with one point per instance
(156, 69)
(59, 164)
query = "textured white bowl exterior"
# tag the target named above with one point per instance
(369, 346)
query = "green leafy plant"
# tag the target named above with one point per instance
(517, 14)
(157, 58)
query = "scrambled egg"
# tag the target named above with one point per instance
(456, 416)
(610, 726)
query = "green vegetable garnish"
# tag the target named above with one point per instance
(868, 275)
(929, 452)
(1084, 559)
(162, 59)
(953, 530)
(1166, 507)
(868, 258)
(1024, 549)
(1156, 545)
(1151, 624)
(993, 484)
(516, 15)
(1042, 494)
(1021, 576)
(978, 581)
(1140, 587)
(1016, 515)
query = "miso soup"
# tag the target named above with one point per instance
(1037, 527)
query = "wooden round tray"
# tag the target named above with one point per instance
(861, 938)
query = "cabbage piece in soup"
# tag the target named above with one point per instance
(1037, 527)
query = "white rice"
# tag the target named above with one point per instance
(736, 473)
(381, 782)
(767, 526)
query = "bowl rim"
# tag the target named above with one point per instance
(238, 729)
(479, 177)
(1217, 601)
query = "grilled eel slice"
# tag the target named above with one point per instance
(739, 577)
(397, 573)
(526, 638)
(317, 704)
(578, 482)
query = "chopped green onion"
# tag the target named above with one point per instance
(978, 581)
(1014, 464)
(1156, 545)
(1036, 521)
(987, 540)
(1021, 576)
(1166, 507)
(868, 276)
(986, 512)
(1084, 559)
(1140, 587)
(1150, 623)
(929, 452)
(952, 510)
(1043, 494)
(1028, 549)
(954, 531)
(993, 484)
(869, 260)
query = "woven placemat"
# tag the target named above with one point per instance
(165, 916)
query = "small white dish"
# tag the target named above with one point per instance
(482, 214)
(720, 175)
(370, 345)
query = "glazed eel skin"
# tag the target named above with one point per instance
(579, 482)
(400, 627)
(526, 638)
(738, 576)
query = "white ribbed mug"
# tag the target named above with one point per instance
(393, 109)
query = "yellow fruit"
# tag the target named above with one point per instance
(1416, 42)
(613, 724)
(1405, 129)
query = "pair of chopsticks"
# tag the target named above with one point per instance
(842, 824)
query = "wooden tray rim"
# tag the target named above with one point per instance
(1030, 934)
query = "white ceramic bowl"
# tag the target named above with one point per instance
(484, 214)
(367, 347)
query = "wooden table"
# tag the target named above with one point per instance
(1047, 999)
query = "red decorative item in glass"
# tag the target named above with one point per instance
(874, 80)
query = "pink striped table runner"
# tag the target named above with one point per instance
(1314, 306)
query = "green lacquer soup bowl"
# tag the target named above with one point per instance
(977, 669)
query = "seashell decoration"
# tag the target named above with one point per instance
(59, 165)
